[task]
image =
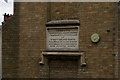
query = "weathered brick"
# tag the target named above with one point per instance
(24, 40)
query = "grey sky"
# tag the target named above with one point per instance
(5, 8)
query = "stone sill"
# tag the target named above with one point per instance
(81, 54)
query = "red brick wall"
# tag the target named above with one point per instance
(0, 51)
(10, 48)
(94, 18)
(63, 68)
(119, 39)
(31, 19)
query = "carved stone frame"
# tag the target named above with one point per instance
(81, 54)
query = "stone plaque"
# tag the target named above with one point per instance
(62, 38)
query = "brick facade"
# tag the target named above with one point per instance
(119, 39)
(10, 47)
(24, 40)
(0, 51)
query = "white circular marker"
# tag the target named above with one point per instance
(95, 38)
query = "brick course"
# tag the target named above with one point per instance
(24, 39)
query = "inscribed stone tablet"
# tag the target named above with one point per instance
(62, 38)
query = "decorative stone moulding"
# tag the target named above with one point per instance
(63, 22)
(80, 54)
(62, 35)
(62, 39)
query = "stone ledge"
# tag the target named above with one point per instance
(81, 54)
(63, 22)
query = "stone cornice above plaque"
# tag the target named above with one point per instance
(62, 22)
